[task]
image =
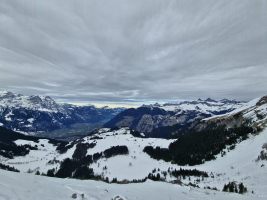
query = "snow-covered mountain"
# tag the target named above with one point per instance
(35, 114)
(160, 120)
(253, 113)
(219, 156)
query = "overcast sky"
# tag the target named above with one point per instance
(115, 51)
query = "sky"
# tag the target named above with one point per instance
(124, 52)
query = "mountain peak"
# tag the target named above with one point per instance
(34, 102)
(7, 94)
(263, 100)
(210, 100)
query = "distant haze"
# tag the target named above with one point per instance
(134, 51)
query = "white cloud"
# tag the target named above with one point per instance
(94, 50)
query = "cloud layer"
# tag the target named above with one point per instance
(142, 50)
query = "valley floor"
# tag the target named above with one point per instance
(15, 186)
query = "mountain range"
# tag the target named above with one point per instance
(220, 152)
(171, 119)
(42, 114)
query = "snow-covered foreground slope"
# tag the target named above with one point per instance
(18, 186)
(240, 165)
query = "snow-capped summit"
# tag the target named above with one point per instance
(34, 102)
(7, 95)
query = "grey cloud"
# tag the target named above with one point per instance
(143, 50)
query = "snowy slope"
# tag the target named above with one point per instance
(17, 186)
(135, 165)
(238, 165)
(241, 165)
(253, 113)
(39, 159)
(36, 159)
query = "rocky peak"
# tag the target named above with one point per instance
(210, 100)
(35, 99)
(262, 101)
(6, 95)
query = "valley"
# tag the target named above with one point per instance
(43, 116)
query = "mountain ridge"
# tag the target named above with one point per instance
(156, 118)
(39, 114)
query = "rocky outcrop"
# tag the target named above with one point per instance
(262, 101)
